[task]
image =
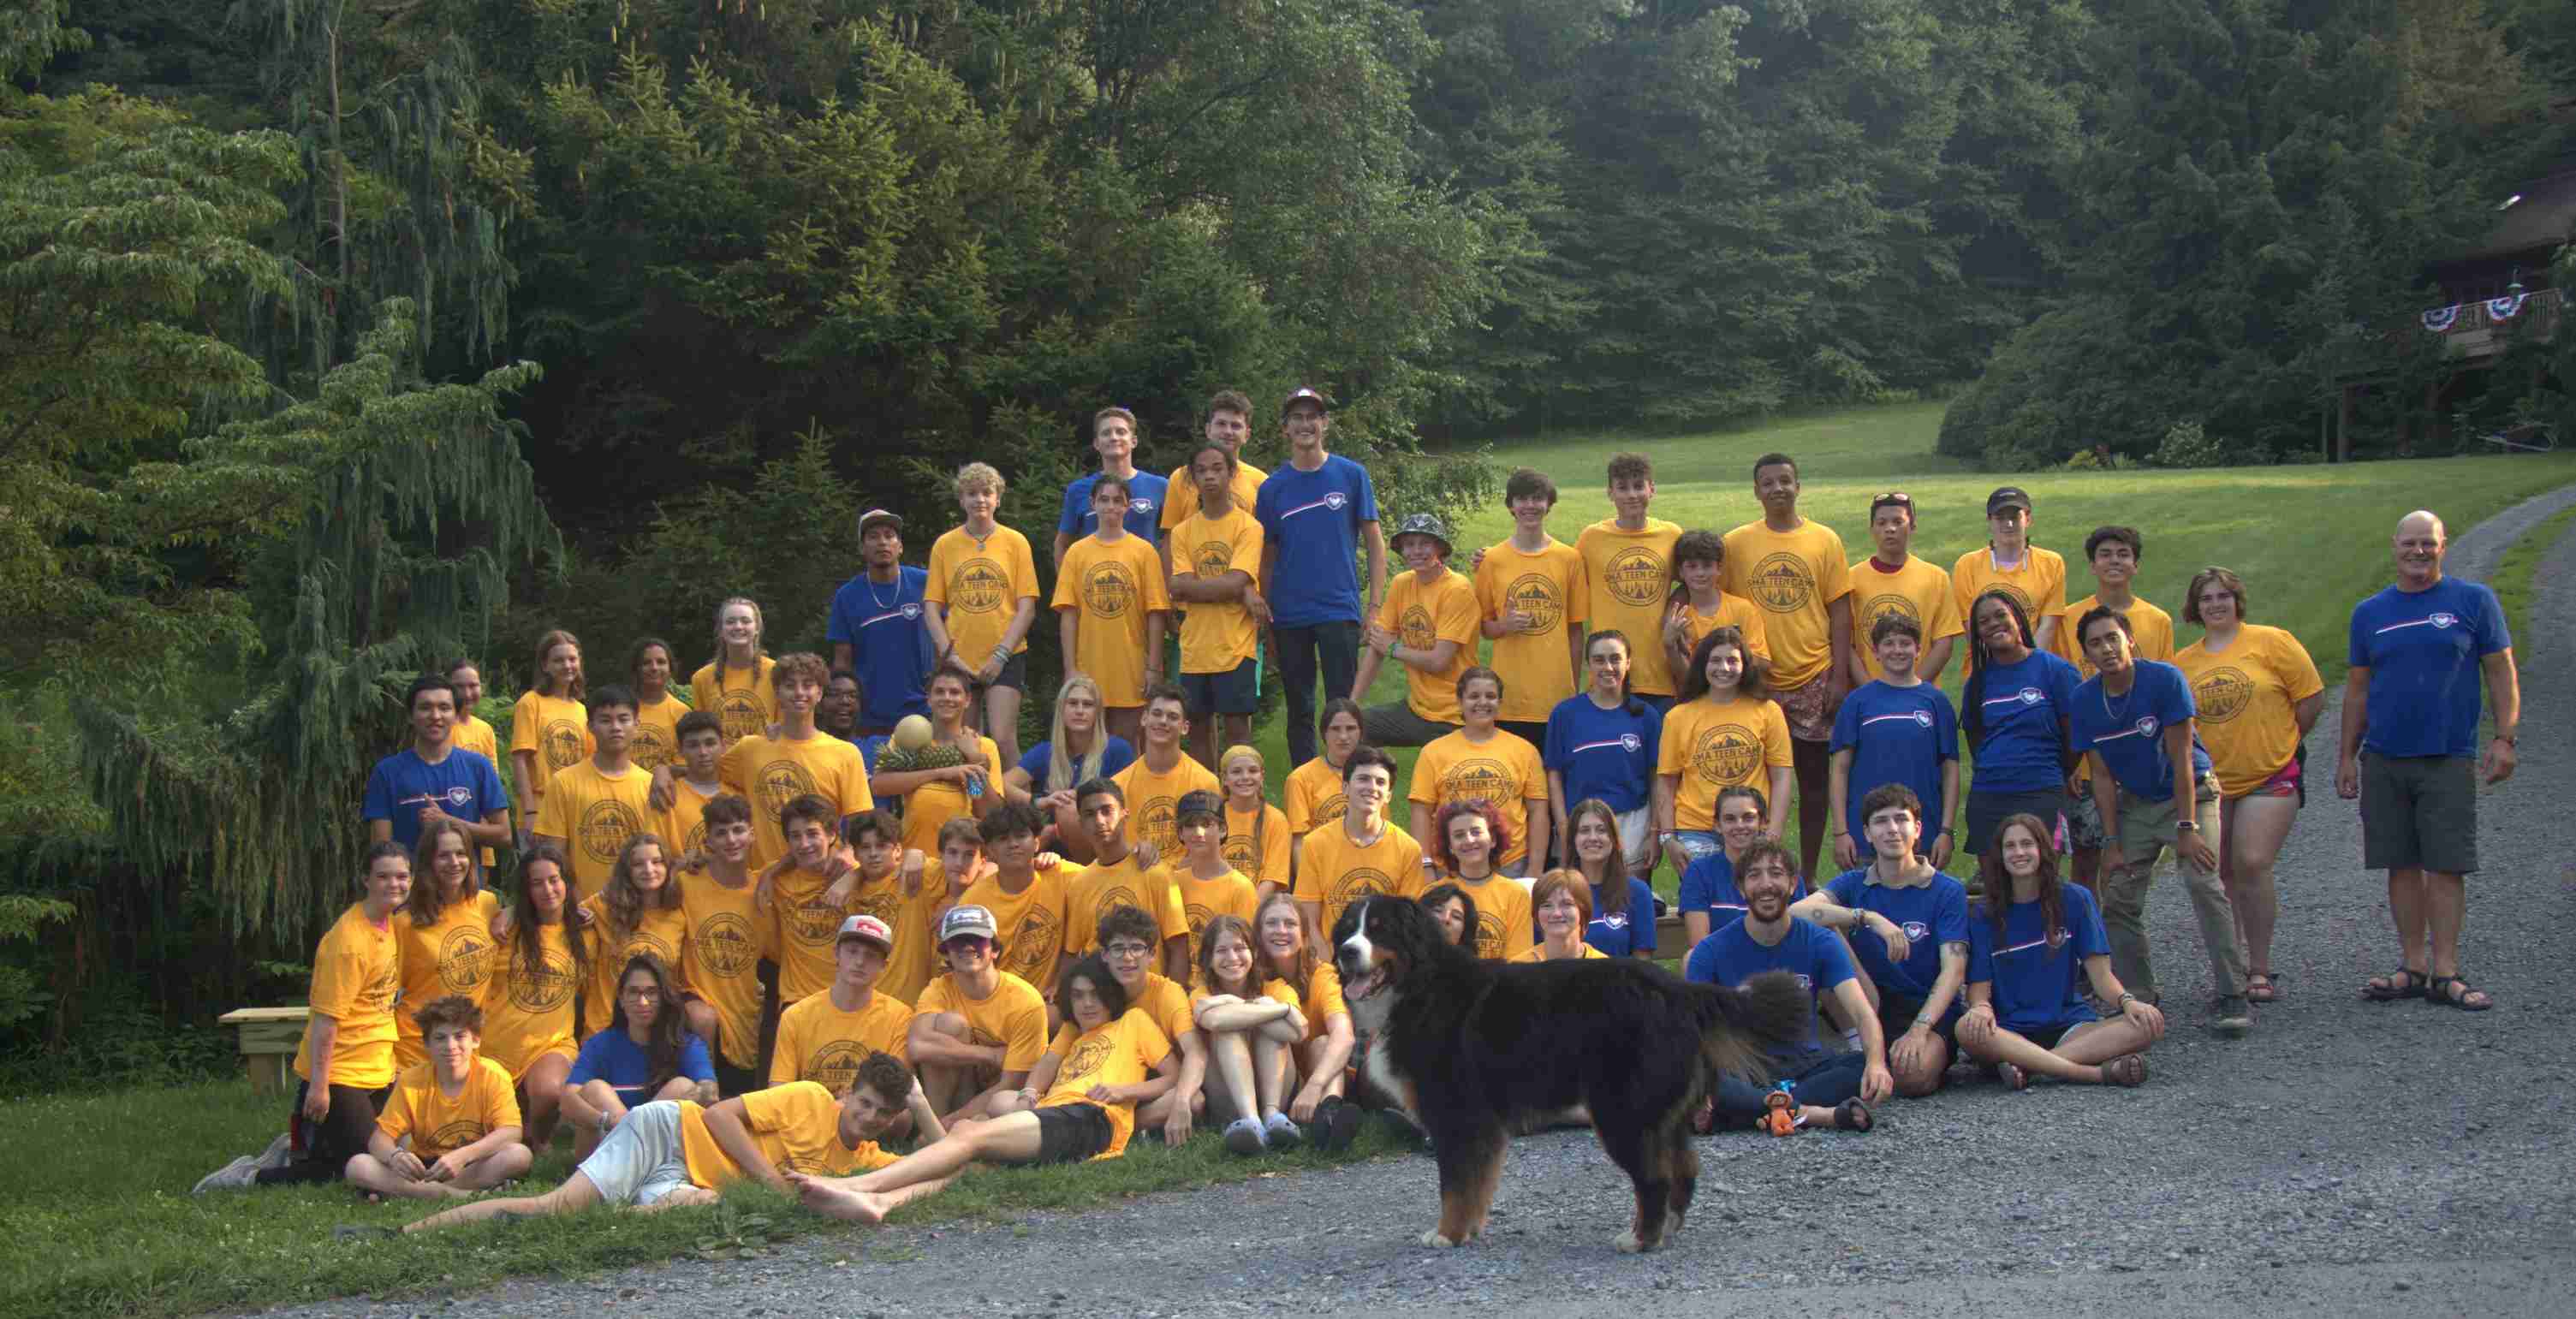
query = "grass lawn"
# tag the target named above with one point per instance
(2512, 581)
(98, 1205)
(2308, 540)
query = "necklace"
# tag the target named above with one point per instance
(2121, 715)
(880, 601)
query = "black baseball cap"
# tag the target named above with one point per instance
(2008, 496)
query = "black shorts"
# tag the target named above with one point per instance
(1235, 691)
(2047, 1037)
(1987, 810)
(1070, 1133)
(2419, 813)
(1014, 674)
(1896, 1016)
(732, 1080)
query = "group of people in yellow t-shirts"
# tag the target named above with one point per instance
(725, 959)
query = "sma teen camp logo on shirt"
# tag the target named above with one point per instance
(2222, 693)
(836, 1064)
(1534, 594)
(464, 956)
(604, 827)
(457, 1134)
(543, 987)
(1108, 589)
(725, 941)
(1212, 559)
(1087, 1059)
(1480, 779)
(560, 741)
(978, 586)
(1357, 883)
(1416, 628)
(813, 922)
(1727, 753)
(1031, 951)
(783, 781)
(1783, 583)
(1635, 576)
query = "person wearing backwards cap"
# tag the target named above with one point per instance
(978, 1029)
(1429, 624)
(877, 630)
(1315, 511)
(823, 1037)
(2033, 577)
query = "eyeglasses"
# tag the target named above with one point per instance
(1125, 949)
(640, 991)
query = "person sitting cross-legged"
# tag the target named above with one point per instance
(1080, 1103)
(2026, 1007)
(674, 1152)
(978, 1030)
(1908, 925)
(458, 1109)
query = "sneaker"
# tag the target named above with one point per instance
(2235, 1015)
(1341, 1120)
(279, 1153)
(1243, 1136)
(232, 1176)
(1280, 1133)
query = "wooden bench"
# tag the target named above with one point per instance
(269, 1039)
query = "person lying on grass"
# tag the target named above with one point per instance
(459, 1110)
(674, 1152)
(1105, 1061)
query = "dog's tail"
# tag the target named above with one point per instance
(1734, 1023)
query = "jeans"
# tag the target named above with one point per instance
(1335, 648)
(1824, 1083)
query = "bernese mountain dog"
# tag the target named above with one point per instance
(1474, 1049)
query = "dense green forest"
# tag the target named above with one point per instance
(336, 335)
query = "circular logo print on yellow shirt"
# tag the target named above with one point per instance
(1111, 899)
(1880, 606)
(813, 922)
(783, 781)
(464, 958)
(1108, 589)
(1328, 810)
(978, 586)
(1356, 883)
(455, 1135)
(1239, 852)
(560, 743)
(1782, 583)
(1088, 1058)
(725, 942)
(1725, 754)
(1534, 594)
(543, 987)
(1033, 946)
(1480, 778)
(652, 747)
(1635, 576)
(2222, 693)
(2018, 596)
(1415, 628)
(604, 827)
(1489, 936)
(1212, 559)
(836, 1064)
(742, 714)
(644, 941)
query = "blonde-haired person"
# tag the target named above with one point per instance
(981, 599)
(1257, 841)
(637, 912)
(1078, 749)
(1324, 1055)
(737, 684)
(549, 725)
(1563, 901)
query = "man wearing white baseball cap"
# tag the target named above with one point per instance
(823, 1036)
(978, 1029)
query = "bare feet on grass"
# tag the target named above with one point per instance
(835, 1202)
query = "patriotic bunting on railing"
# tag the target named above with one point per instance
(2438, 319)
(2503, 309)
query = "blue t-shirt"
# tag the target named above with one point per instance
(2022, 706)
(889, 644)
(868, 747)
(1930, 914)
(1621, 933)
(610, 1056)
(2422, 649)
(1808, 951)
(2128, 732)
(1609, 754)
(464, 785)
(1708, 886)
(1040, 759)
(1145, 493)
(1313, 519)
(1897, 735)
(2036, 985)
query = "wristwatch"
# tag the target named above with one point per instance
(2187, 826)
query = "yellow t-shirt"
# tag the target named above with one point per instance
(1504, 927)
(769, 774)
(1538, 953)
(1422, 615)
(1322, 997)
(1013, 1018)
(1732, 611)
(2248, 698)
(594, 814)
(1630, 576)
(1268, 859)
(2038, 585)
(1153, 800)
(1314, 796)
(528, 1010)
(451, 955)
(1335, 872)
(1123, 1052)
(1795, 576)
(1550, 585)
(820, 1042)
(1203, 900)
(1181, 498)
(933, 804)
(797, 1127)
(808, 924)
(657, 734)
(472, 734)
(1919, 591)
(747, 701)
(913, 918)
(1097, 891)
(437, 1124)
(1503, 769)
(357, 972)
(2151, 633)
(1217, 637)
(684, 826)
(1115, 587)
(557, 730)
(720, 959)
(1720, 746)
(1032, 921)
(1165, 1004)
(982, 585)
(661, 931)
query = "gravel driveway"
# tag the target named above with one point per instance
(2347, 1158)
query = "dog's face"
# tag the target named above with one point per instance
(1376, 943)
